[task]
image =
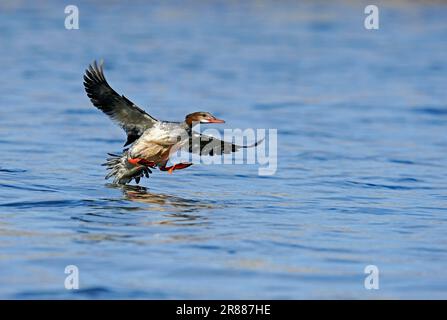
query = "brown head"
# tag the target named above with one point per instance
(201, 117)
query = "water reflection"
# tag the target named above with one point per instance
(141, 216)
(161, 201)
(176, 209)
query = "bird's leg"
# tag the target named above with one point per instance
(177, 166)
(164, 168)
(182, 165)
(141, 162)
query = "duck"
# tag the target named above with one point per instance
(150, 142)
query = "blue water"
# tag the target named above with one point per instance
(362, 141)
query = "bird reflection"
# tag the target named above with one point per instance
(178, 210)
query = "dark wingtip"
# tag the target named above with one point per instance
(94, 73)
(255, 144)
(258, 142)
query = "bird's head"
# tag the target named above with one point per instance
(201, 117)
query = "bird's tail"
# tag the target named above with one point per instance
(122, 171)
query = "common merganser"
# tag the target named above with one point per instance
(151, 142)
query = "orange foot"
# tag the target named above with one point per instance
(141, 162)
(177, 166)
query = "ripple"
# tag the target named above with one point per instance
(432, 111)
(43, 204)
(385, 186)
(34, 187)
(94, 292)
(12, 170)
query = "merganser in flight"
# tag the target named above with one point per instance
(151, 141)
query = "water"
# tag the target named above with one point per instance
(361, 118)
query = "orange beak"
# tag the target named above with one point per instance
(215, 120)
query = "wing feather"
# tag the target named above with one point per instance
(210, 146)
(121, 110)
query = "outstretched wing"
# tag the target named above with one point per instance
(210, 146)
(121, 110)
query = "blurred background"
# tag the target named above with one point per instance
(361, 118)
